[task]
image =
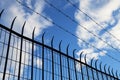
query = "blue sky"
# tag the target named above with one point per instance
(104, 12)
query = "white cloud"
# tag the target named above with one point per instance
(101, 11)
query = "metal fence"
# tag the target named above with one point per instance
(23, 58)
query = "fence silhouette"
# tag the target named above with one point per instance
(23, 58)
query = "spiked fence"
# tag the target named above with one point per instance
(23, 58)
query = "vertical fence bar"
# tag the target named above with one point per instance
(109, 72)
(52, 58)
(113, 74)
(75, 64)
(81, 66)
(8, 48)
(105, 71)
(116, 74)
(68, 62)
(43, 56)
(32, 68)
(60, 59)
(86, 68)
(92, 69)
(19, 71)
(96, 70)
(101, 70)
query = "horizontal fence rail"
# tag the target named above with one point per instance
(23, 58)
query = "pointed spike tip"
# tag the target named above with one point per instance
(43, 37)
(92, 61)
(1, 13)
(74, 52)
(13, 22)
(23, 27)
(33, 33)
(52, 41)
(60, 45)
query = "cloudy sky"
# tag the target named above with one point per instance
(88, 25)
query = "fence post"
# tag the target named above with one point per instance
(81, 66)
(101, 70)
(60, 59)
(6, 60)
(52, 58)
(109, 72)
(92, 69)
(68, 62)
(86, 67)
(19, 69)
(116, 74)
(96, 69)
(32, 69)
(105, 71)
(75, 63)
(43, 56)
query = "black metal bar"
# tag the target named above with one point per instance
(11, 56)
(92, 69)
(32, 68)
(75, 64)
(43, 57)
(81, 66)
(101, 70)
(109, 72)
(116, 74)
(105, 71)
(20, 59)
(60, 59)
(1, 13)
(96, 70)
(52, 59)
(6, 60)
(68, 62)
(86, 68)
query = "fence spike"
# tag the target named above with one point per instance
(43, 37)
(67, 49)
(116, 73)
(1, 13)
(33, 33)
(96, 64)
(81, 55)
(85, 58)
(109, 70)
(13, 22)
(23, 28)
(60, 45)
(74, 53)
(100, 66)
(105, 68)
(52, 41)
(91, 61)
(112, 72)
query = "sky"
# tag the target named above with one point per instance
(90, 26)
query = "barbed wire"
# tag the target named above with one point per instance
(60, 27)
(102, 27)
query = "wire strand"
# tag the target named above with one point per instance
(102, 27)
(66, 30)
(81, 25)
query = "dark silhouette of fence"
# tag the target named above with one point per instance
(23, 58)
